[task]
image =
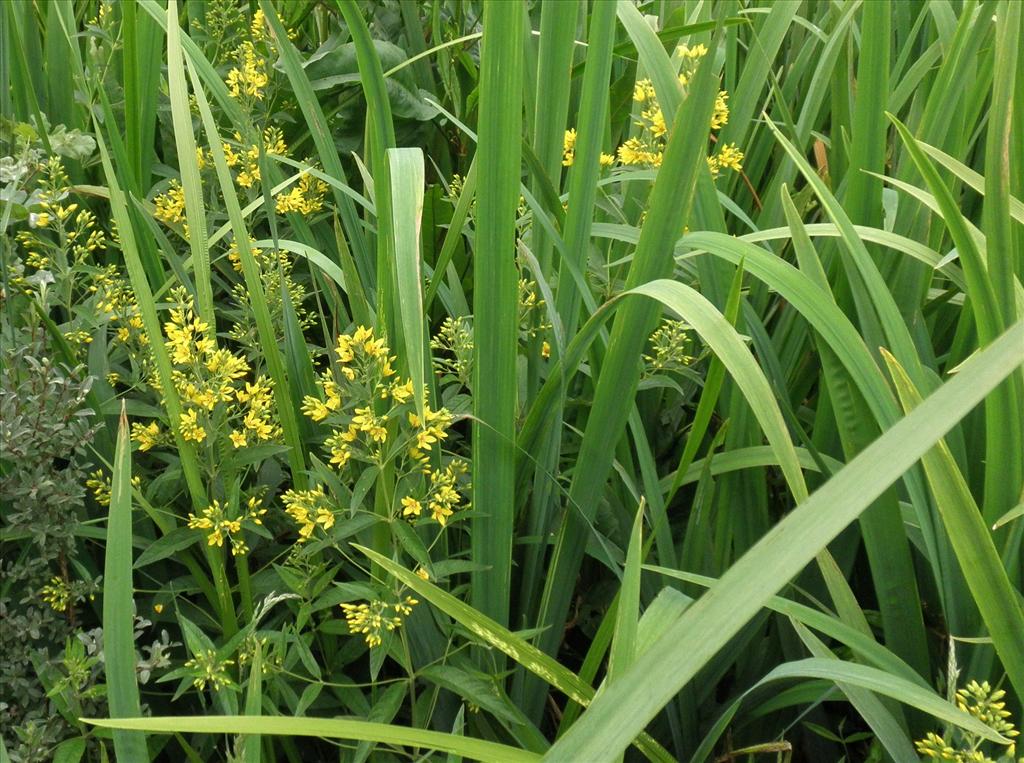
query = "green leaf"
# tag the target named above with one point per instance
(405, 167)
(119, 604)
(496, 306)
(329, 728)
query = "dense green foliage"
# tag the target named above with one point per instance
(496, 380)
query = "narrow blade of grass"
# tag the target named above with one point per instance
(188, 165)
(495, 301)
(329, 728)
(119, 604)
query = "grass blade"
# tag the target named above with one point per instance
(329, 728)
(119, 604)
(495, 301)
(188, 165)
(405, 168)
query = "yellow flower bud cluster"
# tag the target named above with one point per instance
(99, 484)
(960, 746)
(377, 618)
(115, 301)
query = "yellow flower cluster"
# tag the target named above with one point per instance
(989, 707)
(368, 410)
(57, 593)
(258, 28)
(309, 508)
(671, 347)
(305, 197)
(647, 148)
(249, 77)
(246, 160)
(453, 349)
(569, 151)
(99, 484)
(442, 497)
(148, 436)
(728, 157)
(116, 301)
(215, 521)
(206, 377)
(377, 618)
(275, 269)
(62, 235)
(170, 205)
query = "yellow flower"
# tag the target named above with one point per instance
(147, 436)
(170, 205)
(400, 393)
(315, 408)
(227, 365)
(309, 508)
(237, 438)
(643, 90)
(720, 116)
(632, 152)
(250, 77)
(219, 526)
(607, 160)
(305, 197)
(656, 121)
(444, 497)
(190, 428)
(374, 426)
(377, 618)
(411, 507)
(569, 147)
(694, 53)
(259, 426)
(422, 574)
(730, 157)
